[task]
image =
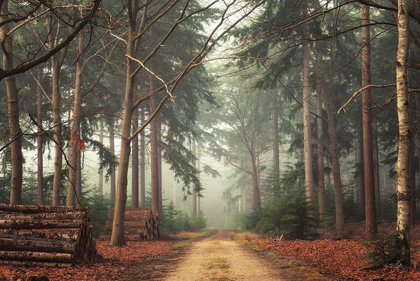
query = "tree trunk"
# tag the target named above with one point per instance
(198, 166)
(112, 148)
(57, 61)
(135, 164)
(403, 179)
(73, 188)
(376, 166)
(309, 179)
(335, 162)
(13, 111)
(159, 159)
(194, 193)
(117, 236)
(359, 164)
(276, 141)
(256, 199)
(101, 171)
(320, 132)
(40, 170)
(142, 163)
(370, 208)
(154, 165)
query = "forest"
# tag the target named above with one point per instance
(292, 125)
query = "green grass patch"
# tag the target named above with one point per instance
(186, 238)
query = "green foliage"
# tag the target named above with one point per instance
(175, 221)
(388, 207)
(290, 215)
(99, 209)
(382, 249)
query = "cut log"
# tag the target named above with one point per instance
(67, 234)
(45, 236)
(143, 222)
(40, 209)
(39, 223)
(35, 256)
(35, 263)
(37, 246)
(47, 216)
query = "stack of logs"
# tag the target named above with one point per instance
(45, 235)
(139, 224)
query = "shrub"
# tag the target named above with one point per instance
(382, 249)
(290, 215)
(175, 221)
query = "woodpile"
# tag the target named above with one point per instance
(45, 235)
(139, 224)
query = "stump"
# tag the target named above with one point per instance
(139, 224)
(45, 235)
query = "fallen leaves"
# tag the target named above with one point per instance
(116, 263)
(341, 259)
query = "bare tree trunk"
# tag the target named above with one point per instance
(335, 162)
(117, 235)
(159, 159)
(101, 172)
(276, 141)
(135, 164)
(40, 172)
(376, 166)
(359, 163)
(403, 175)
(309, 181)
(153, 153)
(13, 111)
(72, 187)
(370, 208)
(112, 148)
(199, 178)
(320, 132)
(194, 193)
(142, 163)
(57, 61)
(256, 199)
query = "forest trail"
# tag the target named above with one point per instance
(220, 258)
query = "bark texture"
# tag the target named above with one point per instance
(309, 181)
(369, 182)
(403, 180)
(12, 110)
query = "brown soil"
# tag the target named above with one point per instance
(220, 258)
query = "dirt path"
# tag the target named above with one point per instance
(220, 258)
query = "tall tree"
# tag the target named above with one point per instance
(20, 16)
(369, 183)
(403, 179)
(13, 108)
(194, 192)
(40, 172)
(320, 132)
(307, 139)
(135, 164)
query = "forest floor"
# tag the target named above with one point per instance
(233, 255)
